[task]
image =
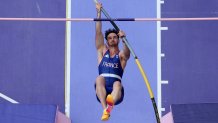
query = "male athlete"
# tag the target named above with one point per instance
(111, 64)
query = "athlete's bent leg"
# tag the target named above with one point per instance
(101, 91)
(117, 93)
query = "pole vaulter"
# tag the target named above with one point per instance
(138, 64)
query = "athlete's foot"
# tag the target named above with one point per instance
(105, 115)
(110, 103)
(107, 111)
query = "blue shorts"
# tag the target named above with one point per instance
(109, 88)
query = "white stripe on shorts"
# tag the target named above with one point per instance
(110, 75)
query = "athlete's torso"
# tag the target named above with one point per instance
(110, 67)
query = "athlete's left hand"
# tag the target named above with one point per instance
(121, 34)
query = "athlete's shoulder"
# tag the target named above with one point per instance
(123, 56)
(105, 49)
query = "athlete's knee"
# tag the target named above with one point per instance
(100, 81)
(117, 85)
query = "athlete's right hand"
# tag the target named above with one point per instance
(98, 7)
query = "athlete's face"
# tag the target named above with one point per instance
(112, 39)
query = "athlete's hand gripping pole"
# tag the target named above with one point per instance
(138, 64)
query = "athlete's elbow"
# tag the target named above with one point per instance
(127, 56)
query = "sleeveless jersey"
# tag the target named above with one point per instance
(110, 68)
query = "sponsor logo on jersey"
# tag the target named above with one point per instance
(107, 56)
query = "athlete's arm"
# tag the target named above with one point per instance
(99, 39)
(125, 52)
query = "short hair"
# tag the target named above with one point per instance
(107, 32)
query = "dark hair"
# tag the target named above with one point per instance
(107, 32)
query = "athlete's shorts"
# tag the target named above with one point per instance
(109, 88)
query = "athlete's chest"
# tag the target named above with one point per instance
(112, 62)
